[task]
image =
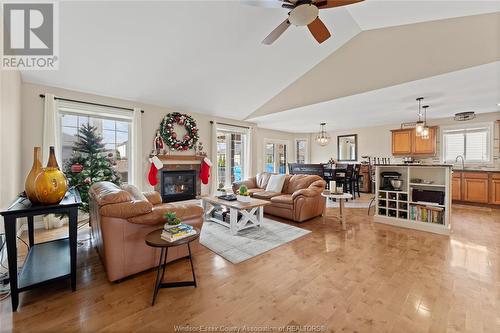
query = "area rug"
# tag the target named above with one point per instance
(250, 242)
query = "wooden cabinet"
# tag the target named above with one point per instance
(495, 188)
(406, 143)
(425, 147)
(401, 142)
(456, 186)
(475, 187)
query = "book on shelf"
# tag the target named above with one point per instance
(180, 231)
(427, 213)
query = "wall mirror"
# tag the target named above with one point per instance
(347, 147)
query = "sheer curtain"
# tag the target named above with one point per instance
(51, 135)
(214, 170)
(137, 156)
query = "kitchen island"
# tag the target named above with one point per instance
(421, 201)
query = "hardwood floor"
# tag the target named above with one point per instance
(370, 278)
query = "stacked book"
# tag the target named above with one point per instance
(172, 233)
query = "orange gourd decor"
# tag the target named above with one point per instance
(29, 184)
(51, 184)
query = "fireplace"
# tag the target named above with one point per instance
(178, 185)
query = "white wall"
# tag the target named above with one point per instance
(32, 113)
(376, 141)
(10, 138)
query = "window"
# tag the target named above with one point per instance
(473, 143)
(232, 161)
(115, 131)
(275, 157)
(301, 151)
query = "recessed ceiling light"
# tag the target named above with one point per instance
(498, 104)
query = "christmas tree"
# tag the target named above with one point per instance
(89, 163)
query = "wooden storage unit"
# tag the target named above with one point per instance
(475, 187)
(406, 143)
(425, 147)
(456, 186)
(495, 188)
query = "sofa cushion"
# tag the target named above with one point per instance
(275, 183)
(262, 179)
(298, 182)
(183, 210)
(252, 191)
(264, 195)
(106, 193)
(134, 192)
(285, 198)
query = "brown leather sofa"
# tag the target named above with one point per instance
(122, 216)
(299, 200)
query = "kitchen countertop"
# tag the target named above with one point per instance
(416, 165)
(476, 170)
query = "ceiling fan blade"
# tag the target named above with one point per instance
(280, 29)
(266, 3)
(319, 30)
(323, 4)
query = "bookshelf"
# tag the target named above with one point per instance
(399, 208)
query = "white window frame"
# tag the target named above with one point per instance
(491, 133)
(246, 154)
(296, 140)
(94, 111)
(276, 141)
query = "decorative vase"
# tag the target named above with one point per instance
(29, 184)
(243, 198)
(51, 184)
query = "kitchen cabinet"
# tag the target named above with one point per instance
(401, 142)
(406, 143)
(427, 146)
(495, 188)
(456, 186)
(475, 187)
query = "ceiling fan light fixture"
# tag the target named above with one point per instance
(303, 15)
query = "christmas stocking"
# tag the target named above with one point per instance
(206, 164)
(156, 165)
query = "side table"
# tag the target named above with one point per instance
(154, 239)
(342, 198)
(45, 262)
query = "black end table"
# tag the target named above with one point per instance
(45, 262)
(154, 239)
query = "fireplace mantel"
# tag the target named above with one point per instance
(185, 158)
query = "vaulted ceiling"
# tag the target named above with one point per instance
(206, 56)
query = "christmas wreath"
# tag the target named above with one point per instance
(171, 138)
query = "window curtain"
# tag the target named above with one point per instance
(137, 156)
(215, 163)
(51, 129)
(248, 155)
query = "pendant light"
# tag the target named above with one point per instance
(419, 127)
(425, 131)
(322, 138)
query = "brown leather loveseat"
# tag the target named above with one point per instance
(299, 200)
(122, 216)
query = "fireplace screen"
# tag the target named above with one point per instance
(178, 185)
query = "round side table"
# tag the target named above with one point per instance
(154, 239)
(341, 197)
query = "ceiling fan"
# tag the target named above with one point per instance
(302, 13)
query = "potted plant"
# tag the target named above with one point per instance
(243, 194)
(172, 220)
(220, 190)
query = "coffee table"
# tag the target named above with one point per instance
(341, 197)
(252, 213)
(154, 239)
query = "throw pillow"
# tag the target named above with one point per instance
(275, 183)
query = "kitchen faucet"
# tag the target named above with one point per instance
(463, 162)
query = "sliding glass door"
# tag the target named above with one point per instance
(231, 157)
(275, 157)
